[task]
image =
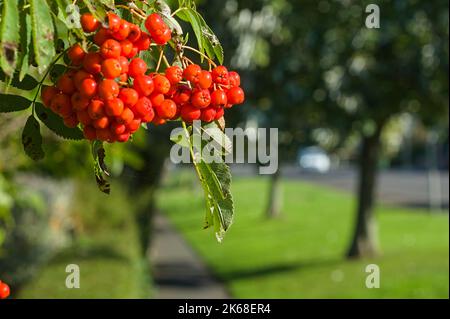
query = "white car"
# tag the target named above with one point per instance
(314, 159)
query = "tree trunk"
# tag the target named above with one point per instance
(275, 196)
(365, 237)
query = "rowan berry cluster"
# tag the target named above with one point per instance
(110, 91)
(4, 290)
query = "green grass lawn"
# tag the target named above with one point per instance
(109, 268)
(300, 254)
(107, 252)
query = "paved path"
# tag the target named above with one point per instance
(177, 271)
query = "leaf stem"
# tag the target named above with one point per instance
(44, 77)
(200, 53)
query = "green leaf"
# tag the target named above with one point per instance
(27, 83)
(216, 181)
(98, 153)
(32, 139)
(43, 33)
(211, 42)
(191, 16)
(96, 8)
(9, 36)
(56, 124)
(25, 45)
(13, 103)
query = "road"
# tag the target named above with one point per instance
(397, 187)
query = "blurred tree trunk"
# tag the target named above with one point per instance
(275, 196)
(365, 237)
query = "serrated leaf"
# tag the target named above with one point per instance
(32, 139)
(56, 124)
(13, 103)
(27, 83)
(98, 153)
(9, 36)
(212, 45)
(43, 33)
(221, 142)
(216, 181)
(25, 45)
(190, 16)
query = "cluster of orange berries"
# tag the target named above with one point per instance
(109, 91)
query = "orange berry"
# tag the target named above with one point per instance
(114, 107)
(89, 23)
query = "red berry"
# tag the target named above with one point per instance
(89, 23)
(192, 73)
(143, 43)
(235, 79)
(220, 75)
(123, 138)
(114, 107)
(236, 96)
(205, 80)
(135, 33)
(154, 22)
(182, 95)
(126, 117)
(124, 64)
(71, 121)
(127, 47)
(174, 74)
(118, 128)
(80, 76)
(162, 36)
(157, 121)
(101, 123)
(201, 98)
(47, 94)
(96, 109)
(79, 102)
(92, 63)
(111, 68)
(143, 84)
(219, 113)
(208, 114)
(219, 99)
(137, 67)
(84, 118)
(61, 105)
(142, 107)
(162, 84)
(110, 49)
(104, 135)
(76, 54)
(123, 31)
(108, 89)
(134, 125)
(4, 290)
(134, 51)
(149, 116)
(166, 110)
(101, 36)
(65, 84)
(157, 98)
(88, 88)
(129, 96)
(190, 113)
(89, 133)
(114, 22)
